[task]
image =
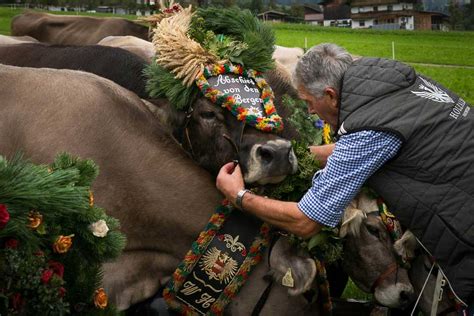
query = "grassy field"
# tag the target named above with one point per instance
(455, 49)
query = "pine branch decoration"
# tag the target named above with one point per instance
(177, 52)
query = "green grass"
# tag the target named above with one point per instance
(450, 48)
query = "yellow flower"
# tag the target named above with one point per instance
(100, 298)
(91, 198)
(62, 244)
(35, 219)
(327, 134)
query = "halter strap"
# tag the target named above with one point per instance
(391, 268)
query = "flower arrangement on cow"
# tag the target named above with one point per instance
(53, 239)
(223, 57)
(212, 67)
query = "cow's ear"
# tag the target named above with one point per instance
(351, 220)
(289, 269)
(406, 246)
(166, 114)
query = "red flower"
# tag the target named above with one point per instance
(4, 216)
(62, 292)
(11, 243)
(16, 301)
(46, 276)
(57, 268)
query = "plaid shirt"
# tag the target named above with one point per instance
(355, 158)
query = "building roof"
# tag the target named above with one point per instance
(312, 8)
(272, 12)
(340, 12)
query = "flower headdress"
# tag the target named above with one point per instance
(220, 53)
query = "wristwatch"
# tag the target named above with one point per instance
(240, 196)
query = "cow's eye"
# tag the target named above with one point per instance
(208, 115)
(372, 230)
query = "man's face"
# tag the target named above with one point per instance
(322, 106)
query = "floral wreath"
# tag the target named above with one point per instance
(271, 122)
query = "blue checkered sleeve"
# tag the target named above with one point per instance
(355, 158)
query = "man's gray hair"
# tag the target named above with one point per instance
(322, 66)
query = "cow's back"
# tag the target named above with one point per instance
(73, 30)
(116, 64)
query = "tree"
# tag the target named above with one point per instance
(456, 19)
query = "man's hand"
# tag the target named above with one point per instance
(322, 152)
(230, 180)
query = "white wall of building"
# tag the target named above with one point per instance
(381, 8)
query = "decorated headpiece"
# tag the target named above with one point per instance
(220, 53)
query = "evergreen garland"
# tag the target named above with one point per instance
(241, 26)
(326, 245)
(163, 84)
(53, 240)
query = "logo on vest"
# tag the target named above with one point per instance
(432, 92)
(341, 130)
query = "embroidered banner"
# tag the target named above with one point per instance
(218, 263)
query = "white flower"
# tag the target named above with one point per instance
(99, 228)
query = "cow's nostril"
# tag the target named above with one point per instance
(266, 153)
(406, 297)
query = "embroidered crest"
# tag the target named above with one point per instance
(432, 92)
(233, 243)
(219, 265)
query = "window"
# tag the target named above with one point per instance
(389, 7)
(362, 23)
(376, 21)
(376, 9)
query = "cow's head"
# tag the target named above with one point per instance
(281, 300)
(213, 137)
(370, 258)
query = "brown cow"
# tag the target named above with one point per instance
(161, 197)
(135, 45)
(73, 30)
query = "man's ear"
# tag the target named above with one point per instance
(333, 95)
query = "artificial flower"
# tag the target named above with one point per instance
(100, 298)
(91, 198)
(4, 216)
(61, 291)
(62, 244)
(16, 301)
(11, 243)
(327, 134)
(57, 268)
(34, 219)
(46, 276)
(99, 228)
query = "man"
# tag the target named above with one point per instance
(409, 138)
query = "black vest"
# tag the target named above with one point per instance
(429, 185)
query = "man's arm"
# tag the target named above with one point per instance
(354, 159)
(285, 215)
(322, 152)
